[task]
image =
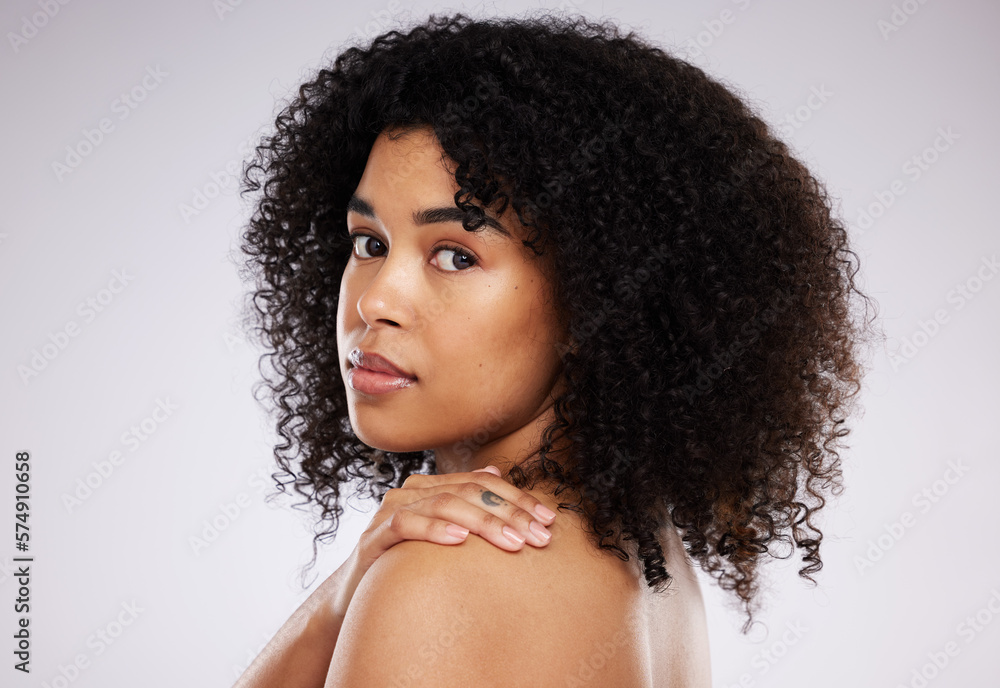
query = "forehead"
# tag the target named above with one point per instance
(413, 141)
(410, 167)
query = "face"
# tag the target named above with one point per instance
(467, 315)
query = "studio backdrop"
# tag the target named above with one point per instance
(138, 548)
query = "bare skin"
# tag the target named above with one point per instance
(299, 654)
(476, 326)
(469, 317)
(657, 639)
(566, 614)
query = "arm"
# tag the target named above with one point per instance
(298, 655)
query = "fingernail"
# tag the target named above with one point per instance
(540, 531)
(545, 512)
(513, 535)
(456, 531)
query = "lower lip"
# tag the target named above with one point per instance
(370, 382)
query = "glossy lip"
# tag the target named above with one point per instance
(372, 383)
(370, 360)
(372, 374)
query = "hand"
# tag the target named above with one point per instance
(426, 506)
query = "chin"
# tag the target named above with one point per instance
(389, 443)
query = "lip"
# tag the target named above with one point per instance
(371, 373)
(377, 363)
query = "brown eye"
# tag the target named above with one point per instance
(460, 257)
(369, 243)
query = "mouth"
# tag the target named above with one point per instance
(371, 373)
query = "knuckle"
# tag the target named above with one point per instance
(413, 480)
(469, 491)
(399, 520)
(488, 521)
(524, 520)
(525, 502)
(441, 500)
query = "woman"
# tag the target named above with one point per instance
(566, 270)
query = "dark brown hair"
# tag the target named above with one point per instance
(706, 281)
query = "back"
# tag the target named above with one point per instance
(668, 630)
(678, 630)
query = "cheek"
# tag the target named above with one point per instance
(347, 300)
(494, 343)
(347, 313)
(342, 307)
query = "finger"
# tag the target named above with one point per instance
(497, 523)
(398, 497)
(533, 508)
(411, 524)
(492, 523)
(511, 504)
(488, 492)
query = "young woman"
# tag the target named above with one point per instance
(510, 269)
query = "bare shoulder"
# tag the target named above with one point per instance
(474, 614)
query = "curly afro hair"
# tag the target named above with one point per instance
(707, 283)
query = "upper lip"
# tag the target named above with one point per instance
(380, 364)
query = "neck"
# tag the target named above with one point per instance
(503, 449)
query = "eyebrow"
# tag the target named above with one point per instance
(424, 216)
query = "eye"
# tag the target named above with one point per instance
(460, 257)
(367, 241)
(460, 260)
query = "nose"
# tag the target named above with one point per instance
(386, 298)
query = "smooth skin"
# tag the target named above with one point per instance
(475, 615)
(299, 654)
(471, 316)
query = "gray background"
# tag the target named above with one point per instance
(171, 335)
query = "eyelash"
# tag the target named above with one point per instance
(473, 259)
